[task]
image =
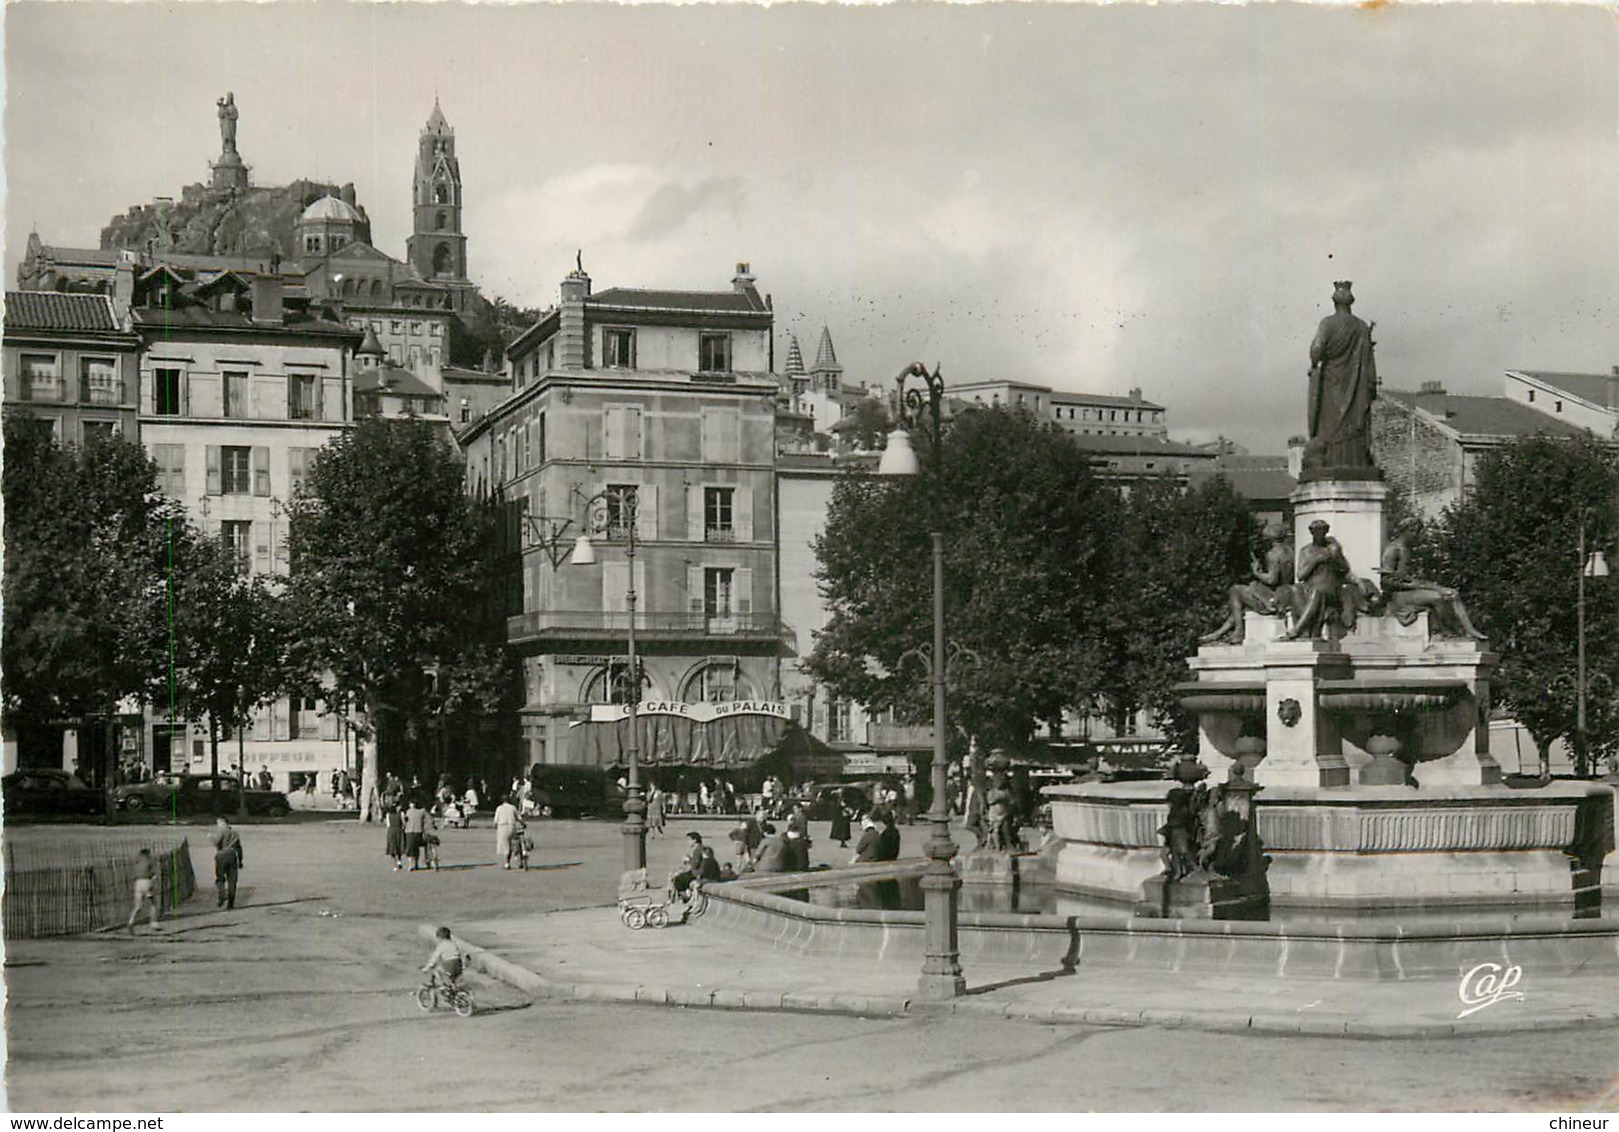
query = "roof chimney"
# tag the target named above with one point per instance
(123, 284)
(571, 352)
(743, 279)
(1295, 455)
(1135, 394)
(267, 308)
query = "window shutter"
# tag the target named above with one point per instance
(696, 499)
(261, 470)
(742, 592)
(615, 580)
(694, 589)
(710, 436)
(260, 534)
(280, 720)
(328, 722)
(612, 433)
(215, 485)
(742, 513)
(646, 512)
(261, 724)
(632, 433)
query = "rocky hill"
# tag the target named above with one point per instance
(206, 221)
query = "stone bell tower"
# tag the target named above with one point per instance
(436, 248)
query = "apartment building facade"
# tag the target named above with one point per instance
(238, 391)
(644, 415)
(71, 364)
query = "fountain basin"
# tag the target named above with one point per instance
(1432, 946)
(1363, 847)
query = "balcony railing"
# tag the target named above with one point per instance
(98, 394)
(719, 534)
(595, 623)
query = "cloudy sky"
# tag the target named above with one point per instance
(1092, 198)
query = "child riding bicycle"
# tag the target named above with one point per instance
(445, 964)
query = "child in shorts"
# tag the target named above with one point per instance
(145, 888)
(445, 962)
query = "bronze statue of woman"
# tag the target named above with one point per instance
(1343, 381)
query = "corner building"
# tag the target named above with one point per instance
(666, 395)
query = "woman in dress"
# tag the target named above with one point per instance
(654, 811)
(395, 823)
(841, 819)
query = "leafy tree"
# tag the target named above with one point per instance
(387, 573)
(226, 641)
(89, 544)
(1025, 527)
(1175, 555)
(1511, 547)
(864, 427)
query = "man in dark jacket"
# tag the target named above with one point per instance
(227, 861)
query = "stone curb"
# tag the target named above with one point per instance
(888, 1006)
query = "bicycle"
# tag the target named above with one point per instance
(430, 993)
(522, 846)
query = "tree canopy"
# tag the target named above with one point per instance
(1174, 556)
(1511, 546)
(1068, 596)
(389, 574)
(90, 550)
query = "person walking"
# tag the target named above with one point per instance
(394, 822)
(505, 829)
(654, 812)
(842, 816)
(798, 834)
(146, 874)
(228, 861)
(415, 832)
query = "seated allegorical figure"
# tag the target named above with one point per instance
(1406, 596)
(1326, 596)
(1269, 592)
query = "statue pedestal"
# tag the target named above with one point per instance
(1354, 511)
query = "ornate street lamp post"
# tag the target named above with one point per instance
(609, 511)
(1594, 566)
(941, 887)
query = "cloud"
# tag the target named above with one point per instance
(672, 205)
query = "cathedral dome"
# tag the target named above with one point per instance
(330, 208)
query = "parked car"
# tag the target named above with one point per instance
(34, 791)
(195, 794)
(573, 791)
